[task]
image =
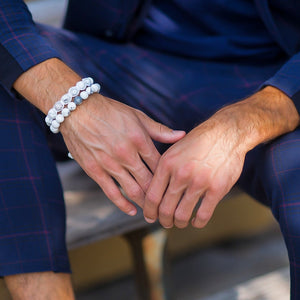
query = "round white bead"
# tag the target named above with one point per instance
(89, 90)
(70, 155)
(53, 129)
(91, 80)
(48, 120)
(60, 118)
(96, 88)
(88, 81)
(81, 85)
(71, 106)
(58, 106)
(52, 113)
(65, 112)
(65, 99)
(55, 124)
(84, 95)
(74, 91)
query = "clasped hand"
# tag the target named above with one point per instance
(114, 143)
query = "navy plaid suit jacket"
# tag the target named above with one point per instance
(21, 45)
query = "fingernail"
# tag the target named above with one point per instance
(148, 220)
(178, 131)
(168, 227)
(132, 213)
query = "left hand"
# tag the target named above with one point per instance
(208, 161)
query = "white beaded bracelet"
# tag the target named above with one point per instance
(68, 102)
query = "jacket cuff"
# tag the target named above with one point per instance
(287, 79)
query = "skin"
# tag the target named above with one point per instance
(37, 286)
(208, 161)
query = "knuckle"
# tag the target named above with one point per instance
(152, 199)
(183, 173)
(90, 166)
(187, 170)
(113, 195)
(165, 212)
(134, 193)
(121, 150)
(203, 218)
(137, 138)
(166, 162)
(181, 219)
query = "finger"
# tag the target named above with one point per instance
(141, 173)
(113, 193)
(155, 194)
(169, 203)
(149, 154)
(123, 177)
(131, 188)
(206, 210)
(184, 210)
(159, 132)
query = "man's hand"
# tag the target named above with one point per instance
(108, 139)
(111, 140)
(208, 161)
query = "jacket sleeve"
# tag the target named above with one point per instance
(21, 45)
(287, 79)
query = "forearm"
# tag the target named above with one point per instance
(45, 83)
(259, 118)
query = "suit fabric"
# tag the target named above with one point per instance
(178, 91)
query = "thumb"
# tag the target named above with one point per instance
(160, 132)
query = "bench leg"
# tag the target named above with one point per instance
(148, 247)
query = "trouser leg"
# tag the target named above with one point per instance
(272, 176)
(32, 212)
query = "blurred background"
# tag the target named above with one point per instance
(240, 255)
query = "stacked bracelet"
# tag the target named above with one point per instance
(68, 102)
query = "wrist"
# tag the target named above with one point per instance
(45, 83)
(260, 118)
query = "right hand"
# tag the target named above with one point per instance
(111, 140)
(108, 139)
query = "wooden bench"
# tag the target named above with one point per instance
(92, 217)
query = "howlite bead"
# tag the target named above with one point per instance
(60, 118)
(65, 112)
(84, 95)
(71, 106)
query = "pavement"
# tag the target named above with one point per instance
(243, 269)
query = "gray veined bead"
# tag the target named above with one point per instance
(53, 129)
(65, 99)
(89, 90)
(81, 85)
(58, 106)
(52, 113)
(60, 118)
(96, 87)
(74, 91)
(65, 112)
(48, 120)
(71, 106)
(84, 95)
(55, 124)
